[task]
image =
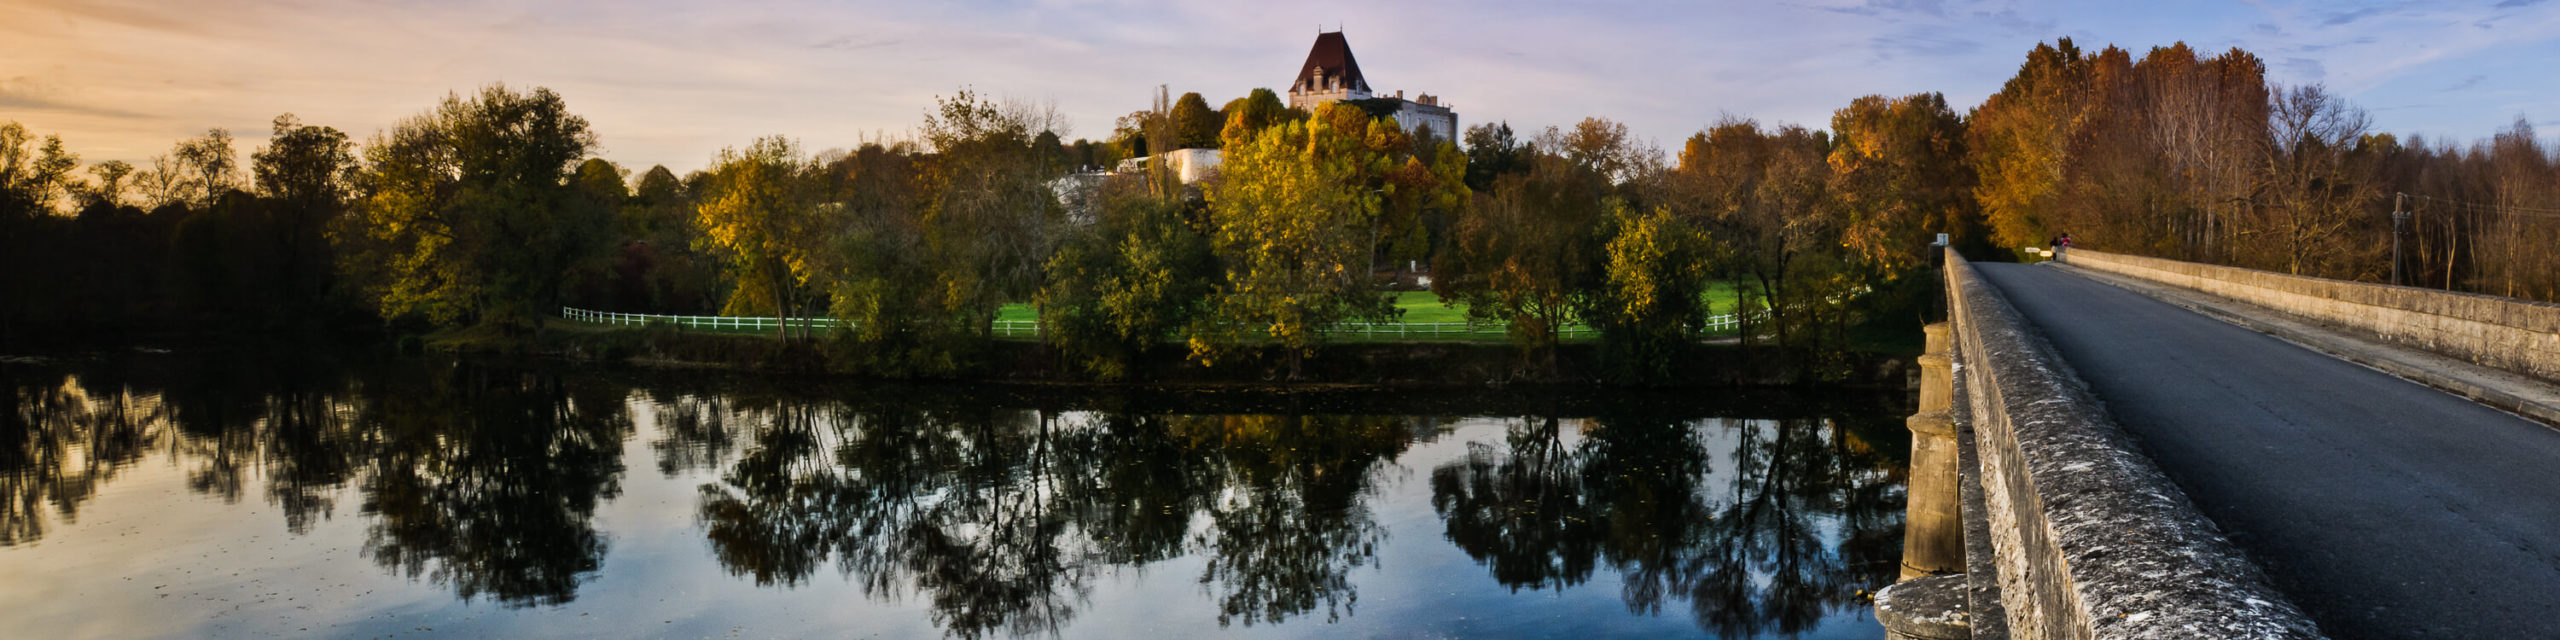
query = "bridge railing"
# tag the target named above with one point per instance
(2092, 540)
(2518, 336)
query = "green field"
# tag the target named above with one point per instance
(1419, 308)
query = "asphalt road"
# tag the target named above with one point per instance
(2385, 508)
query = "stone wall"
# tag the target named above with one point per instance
(2092, 540)
(2501, 333)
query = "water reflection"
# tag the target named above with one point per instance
(996, 513)
(487, 480)
(482, 479)
(1802, 522)
(1001, 519)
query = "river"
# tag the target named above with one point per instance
(228, 495)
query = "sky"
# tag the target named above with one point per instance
(673, 82)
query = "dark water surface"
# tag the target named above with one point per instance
(196, 495)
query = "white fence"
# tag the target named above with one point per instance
(1031, 328)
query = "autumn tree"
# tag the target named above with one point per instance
(1251, 114)
(1292, 228)
(1527, 253)
(2020, 140)
(762, 214)
(1899, 174)
(1764, 197)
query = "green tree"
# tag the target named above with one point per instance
(1119, 287)
(1651, 303)
(1492, 152)
(1196, 124)
(471, 217)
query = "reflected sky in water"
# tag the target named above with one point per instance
(187, 496)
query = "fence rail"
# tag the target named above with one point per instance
(1031, 328)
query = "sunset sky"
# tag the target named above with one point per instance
(672, 82)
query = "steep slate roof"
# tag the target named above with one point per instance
(1334, 54)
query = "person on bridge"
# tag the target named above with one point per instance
(2060, 244)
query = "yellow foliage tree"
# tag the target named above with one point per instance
(763, 215)
(1292, 225)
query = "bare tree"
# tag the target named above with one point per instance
(2316, 183)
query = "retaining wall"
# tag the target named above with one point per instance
(2091, 539)
(2501, 333)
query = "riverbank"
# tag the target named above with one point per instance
(1375, 364)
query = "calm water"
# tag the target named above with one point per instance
(195, 495)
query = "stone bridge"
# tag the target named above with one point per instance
(2123, 447)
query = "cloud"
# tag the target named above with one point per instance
(27, 94)
(2517, 4)
(2467, 83)
(2345, 17)
(2307, 68)
(1924, 44)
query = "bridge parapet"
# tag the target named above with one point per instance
(2502, 333)
(2092, 539)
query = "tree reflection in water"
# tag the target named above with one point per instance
(482, 479)
(488, 481)
(999, 516)
(1002, 518)
(1804, 518)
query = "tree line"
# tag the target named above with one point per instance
(490, 211)
(2184, 156)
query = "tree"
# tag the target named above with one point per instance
(209, 166)
(308, 172)
(1293, 231)
(1250, 115)
(29, 186)
(2020, 140)
(108, 186)
(1493, 152)
(2318, 179)
(990, 216)
(471, 217)
(1764, 199)
(762, 215)
(1651, 302)
(1196, 126)
(1120, 286)
(1898, 169)
(1526, 253)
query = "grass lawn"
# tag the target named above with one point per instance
(1420, 307)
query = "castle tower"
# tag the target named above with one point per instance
(1331, 74)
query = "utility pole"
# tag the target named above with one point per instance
(2399, 217)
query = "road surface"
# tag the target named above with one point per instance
(2385, 508)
